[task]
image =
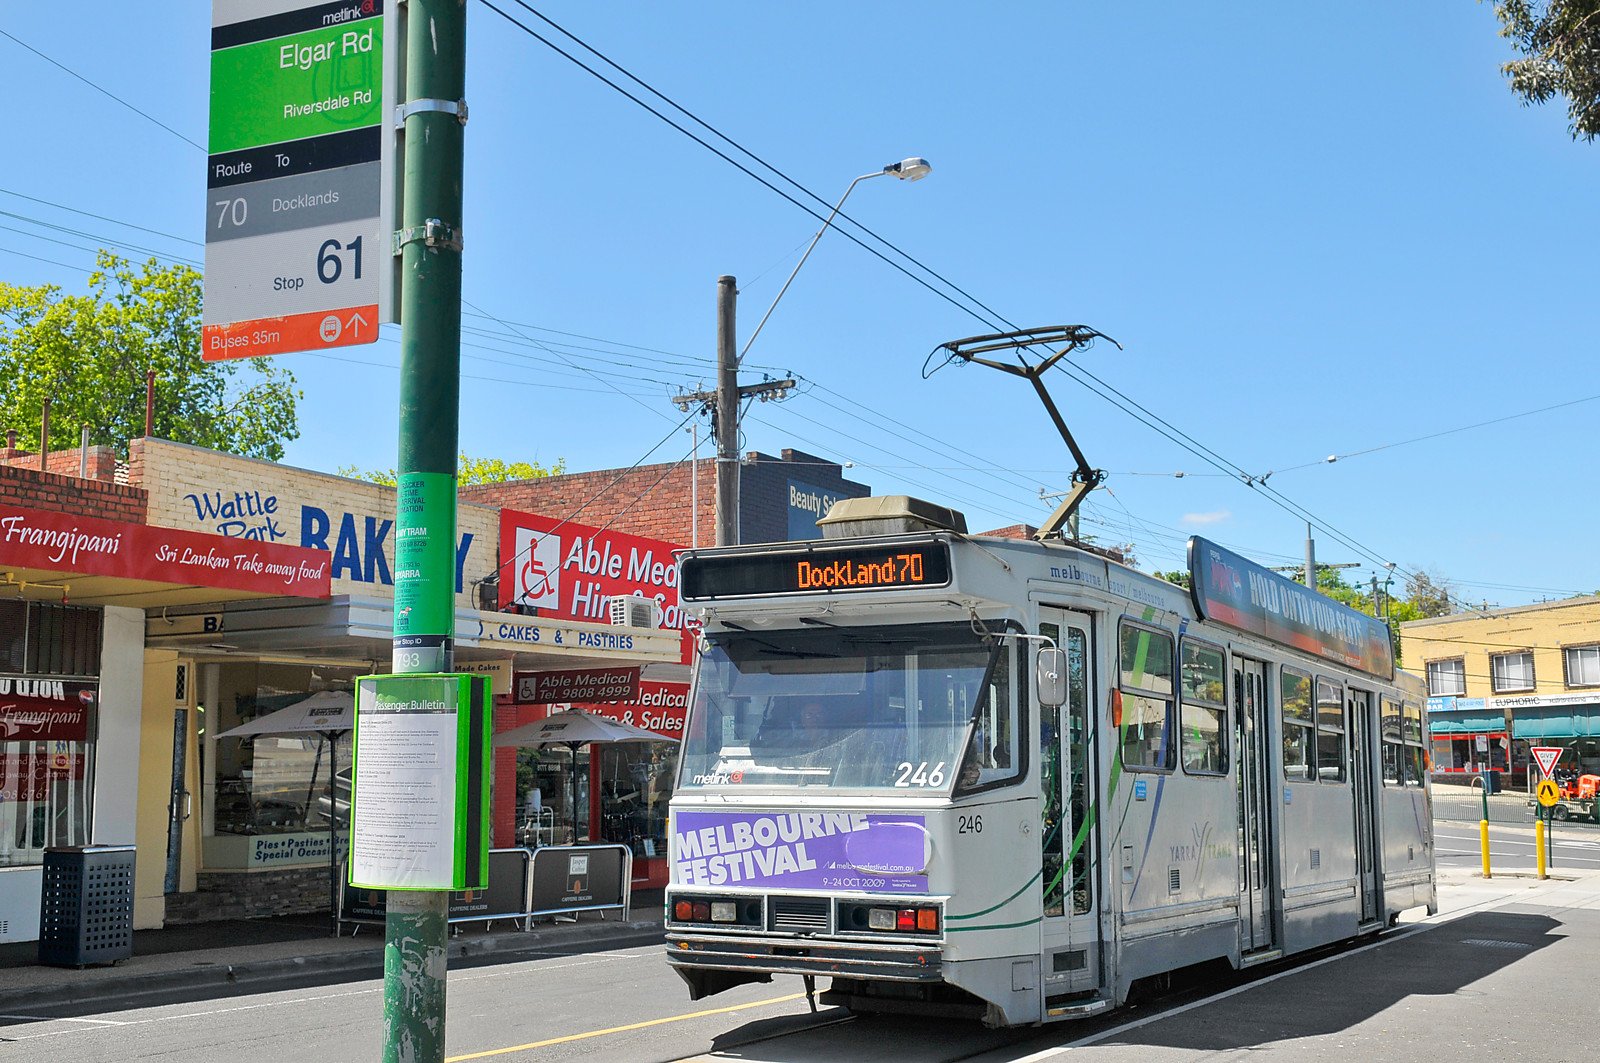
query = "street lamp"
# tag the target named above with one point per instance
(912, 169)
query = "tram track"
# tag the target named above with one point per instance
(903, 1039)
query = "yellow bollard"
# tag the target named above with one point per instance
(1538, 845)
(1483, 837)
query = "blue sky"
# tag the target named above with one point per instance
(1315, 231)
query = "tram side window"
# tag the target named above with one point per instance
(1144, 724)
(1412, 732)
(1299, 726)
(1204, 710)
(1394, 750)
(1330, 731)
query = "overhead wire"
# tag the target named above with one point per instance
(101, 89)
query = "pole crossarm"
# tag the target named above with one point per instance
(766, 391)
(1085, 477)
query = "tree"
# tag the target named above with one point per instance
(1560, 42)
(89, 353)
(470, 471)
(1178, 576)
(1430, 595)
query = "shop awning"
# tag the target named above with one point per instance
(64, 556)
(1444, 724)
(347, 628)
(1567, 721)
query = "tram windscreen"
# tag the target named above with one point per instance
(879, 708)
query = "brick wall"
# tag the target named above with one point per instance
(256, 895)
(68, 494)
(654, 500)
(102, 461)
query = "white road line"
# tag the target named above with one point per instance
(48, 1018)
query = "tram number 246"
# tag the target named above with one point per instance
(910, 774)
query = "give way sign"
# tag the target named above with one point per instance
(1546, 757)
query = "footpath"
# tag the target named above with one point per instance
(203, 961)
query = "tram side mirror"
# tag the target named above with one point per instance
(1050, 678)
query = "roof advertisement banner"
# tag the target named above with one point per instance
(1229, 589)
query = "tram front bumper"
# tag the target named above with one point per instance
(892, 963)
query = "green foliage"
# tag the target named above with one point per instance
(1177, 576)
(1560, 44)
(89, 354)
(470, 471)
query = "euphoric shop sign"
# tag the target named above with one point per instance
(419, 801)
(297, 198)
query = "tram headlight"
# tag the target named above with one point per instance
(724, 912)
(881, 919)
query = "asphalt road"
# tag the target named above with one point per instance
(1473, 982)
(1457, 812)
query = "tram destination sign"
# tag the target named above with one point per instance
(1232, 590)
(298, 187)
(821, 570)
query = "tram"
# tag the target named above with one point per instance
(1008, 778)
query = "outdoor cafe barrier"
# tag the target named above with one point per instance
(505, 898)
(523, 885)
(581, 878)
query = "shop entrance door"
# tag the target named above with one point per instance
(178, 801)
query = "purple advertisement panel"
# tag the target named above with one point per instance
(801, 850)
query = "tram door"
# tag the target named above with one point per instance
(1361, 751)
(1256, 863)
(1070, 882)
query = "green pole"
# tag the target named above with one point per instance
(425, 524)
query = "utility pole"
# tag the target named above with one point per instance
(723, 405)
(727, 422)
(1311, 559)
(414, 957)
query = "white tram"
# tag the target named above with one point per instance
(1008, 778)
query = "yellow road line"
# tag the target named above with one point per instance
(623, 1029)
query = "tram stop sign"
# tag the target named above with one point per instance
(1546, 757)
(299, 185)
(1548, 792)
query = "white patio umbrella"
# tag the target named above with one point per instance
(573, 728)
(328, 713)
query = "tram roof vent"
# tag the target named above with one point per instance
(888, 515)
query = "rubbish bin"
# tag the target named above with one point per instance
(1491, 781)
(86, 906)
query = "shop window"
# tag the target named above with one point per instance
(1330, 731)
(1204, 713)
(635, 786)
(1511, 671)
(1447, 678)
(271, 784)
(49, 656)
(1299, 724)
(1144, 723)
(1583, 666)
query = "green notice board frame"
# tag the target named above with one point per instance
(419, 798)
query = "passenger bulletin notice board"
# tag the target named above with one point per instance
(419, 816)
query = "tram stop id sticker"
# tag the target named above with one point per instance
(802, 850)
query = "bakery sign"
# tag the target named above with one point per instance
(45, 710)
(71, 544)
